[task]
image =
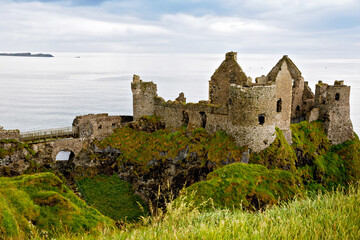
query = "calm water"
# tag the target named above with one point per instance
(39, 93)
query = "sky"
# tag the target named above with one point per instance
(318, 27)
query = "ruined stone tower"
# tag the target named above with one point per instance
(333, 107)
(143, 97)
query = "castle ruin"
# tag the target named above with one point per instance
(250, 111)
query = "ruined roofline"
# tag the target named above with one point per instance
(230, 62)
(271, 76)
(337, 83)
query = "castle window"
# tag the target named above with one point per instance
(297, 110)
(203, 119)
(337, 96)
(278, 105)
(185, 118)
(261, 119)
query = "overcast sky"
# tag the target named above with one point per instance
(320, 27)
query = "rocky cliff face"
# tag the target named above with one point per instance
(15, 157)
(164, 176)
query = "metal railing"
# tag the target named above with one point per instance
(44, 134)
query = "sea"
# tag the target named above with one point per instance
(42, 93)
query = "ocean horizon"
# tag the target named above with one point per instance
(42, 93)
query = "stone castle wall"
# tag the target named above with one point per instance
(98, 126)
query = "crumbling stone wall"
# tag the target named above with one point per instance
(194, 115)
(98, 126)
(308, 99)
(9, 134)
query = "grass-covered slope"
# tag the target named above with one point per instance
(112, 197)
(313, 158)
(249, 186)
(279, 155)
(42, 205)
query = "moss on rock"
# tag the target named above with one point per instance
(141, 147)
(279, 155)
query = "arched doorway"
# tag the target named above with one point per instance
(65, 155)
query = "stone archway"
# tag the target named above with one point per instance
(73, 146)
(65, 155)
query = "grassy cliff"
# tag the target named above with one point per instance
(312, 157)
(248, 186)
(41, 205)
(112, 197)
(140, 147)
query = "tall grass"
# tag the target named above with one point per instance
(330, 215)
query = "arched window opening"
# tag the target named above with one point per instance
(261, 119)
(65, 155)
(337, 96)
(279, 105)
(203, 119)
(297, 110)
(185, 118)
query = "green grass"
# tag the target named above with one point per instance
(249, 186)
(41, 204)
(329, 215)
(112, 197)
(279, 155)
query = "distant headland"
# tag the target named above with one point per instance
(26, 55)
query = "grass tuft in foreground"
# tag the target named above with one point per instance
(330, 215)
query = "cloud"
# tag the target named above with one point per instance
(181, 26)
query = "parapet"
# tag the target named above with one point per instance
(339, 82)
